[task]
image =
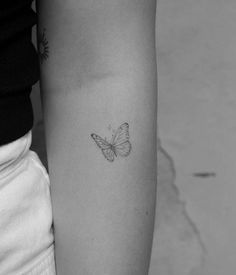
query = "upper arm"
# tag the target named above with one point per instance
(97, 39)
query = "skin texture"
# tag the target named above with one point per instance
(100, 72)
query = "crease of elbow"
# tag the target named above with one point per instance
(102, 76)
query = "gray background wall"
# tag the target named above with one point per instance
(197, 117)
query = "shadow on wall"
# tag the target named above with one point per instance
(177, 246)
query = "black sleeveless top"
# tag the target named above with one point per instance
(19, 68)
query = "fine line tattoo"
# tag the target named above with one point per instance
(43, 48)
(119, 145)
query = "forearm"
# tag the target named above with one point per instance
(103, 206)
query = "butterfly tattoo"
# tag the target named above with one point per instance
(119, 145)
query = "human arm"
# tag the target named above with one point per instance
(100, 71)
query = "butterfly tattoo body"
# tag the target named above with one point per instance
(119, 145)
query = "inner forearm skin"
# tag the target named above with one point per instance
(103, 206)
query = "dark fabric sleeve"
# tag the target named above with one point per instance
(19, 68)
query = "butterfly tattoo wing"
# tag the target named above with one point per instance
(121, 134)
(104, 146)
(123, 149)
(120, 141)
(108, 154)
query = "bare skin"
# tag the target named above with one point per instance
(99, 69)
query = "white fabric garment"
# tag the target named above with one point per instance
(26, 232)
